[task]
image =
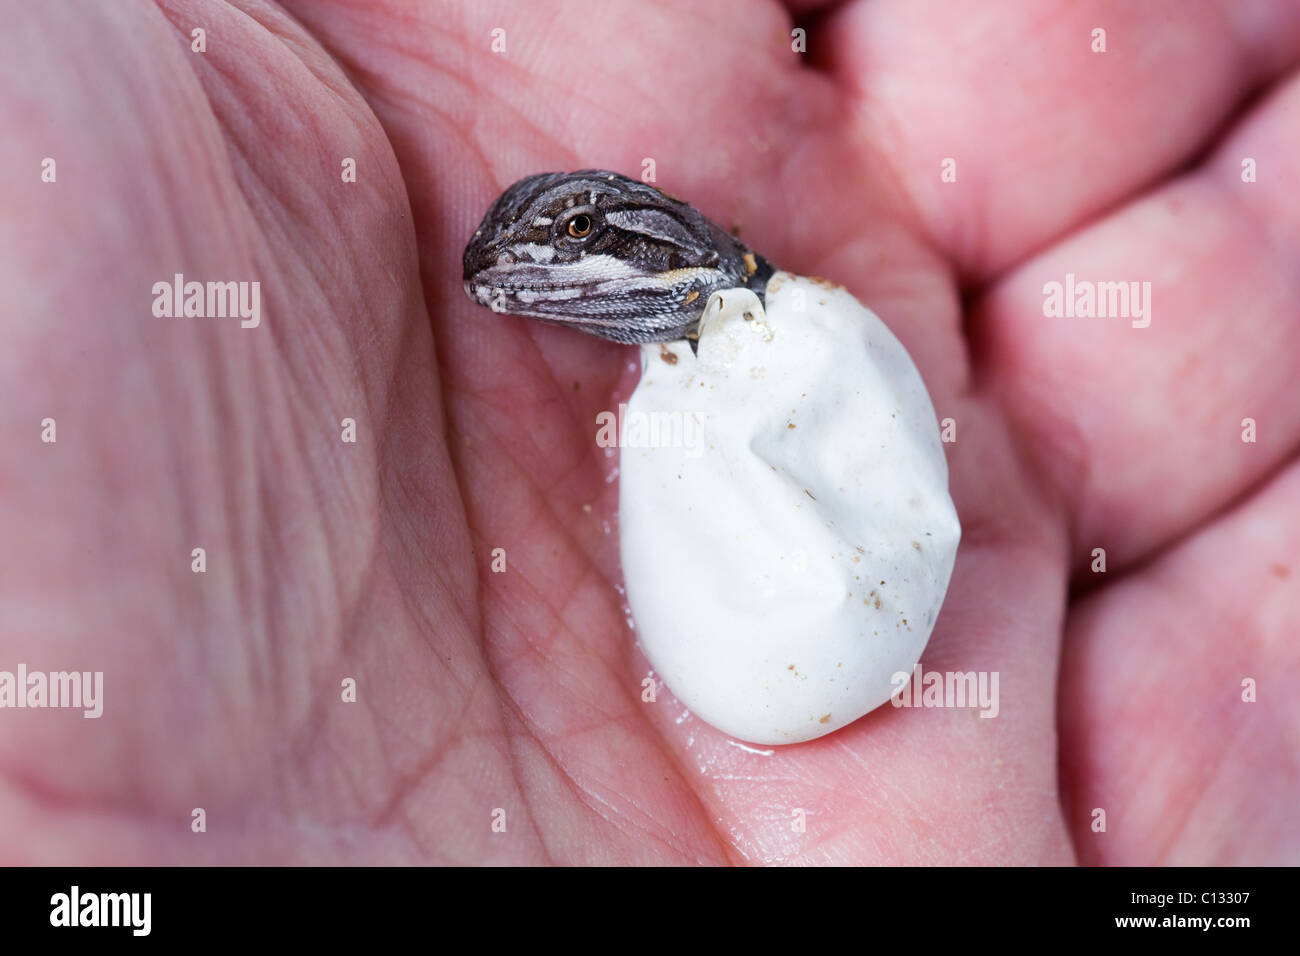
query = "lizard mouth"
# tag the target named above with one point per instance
(602, 295)
(592, 277)
(484, 292)
(643, 308)
(526, 283)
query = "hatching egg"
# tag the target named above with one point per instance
(786, 531)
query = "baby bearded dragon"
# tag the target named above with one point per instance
(605, 254)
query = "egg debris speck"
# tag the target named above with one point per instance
(786, 531)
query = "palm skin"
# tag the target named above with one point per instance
(522, 690)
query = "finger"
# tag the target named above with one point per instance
(1044, 132)
(1159, 727)
(1143, 427)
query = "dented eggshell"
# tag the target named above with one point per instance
(786, 531)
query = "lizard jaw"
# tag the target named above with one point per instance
(627, 306)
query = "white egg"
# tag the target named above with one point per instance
(786, 530)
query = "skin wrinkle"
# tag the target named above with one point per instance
(405, 784)
(581, 465)
(544, 645)
(517, 116)
(247, 580)
(297, 747)
(466, 611)
(662, 836)
(267, 541)
(299, 436)
(431, 627)
(536, 596)
(727, 848)
(406, 788)
(326, 73)
(540, 648)
(313, 712)
(53, 800)
(503, 451)
(234, 536)
(314, 758)
(394, 810)
(514, 744)
(1050, 500)
(1063, 438)
(1204, 784)
(230, 79)
(1153, 555)
(583, 796)
(283, 90)
(444, 429)
(41, 802)
(886, 155)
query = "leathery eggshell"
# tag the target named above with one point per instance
(785, 526)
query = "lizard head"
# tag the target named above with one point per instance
(606, 254)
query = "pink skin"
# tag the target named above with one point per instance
(475, 431)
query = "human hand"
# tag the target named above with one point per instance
(521, 690)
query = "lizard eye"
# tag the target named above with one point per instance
(580, 223)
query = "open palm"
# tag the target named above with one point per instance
(520, 691)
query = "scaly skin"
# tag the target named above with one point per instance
(605, 254)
